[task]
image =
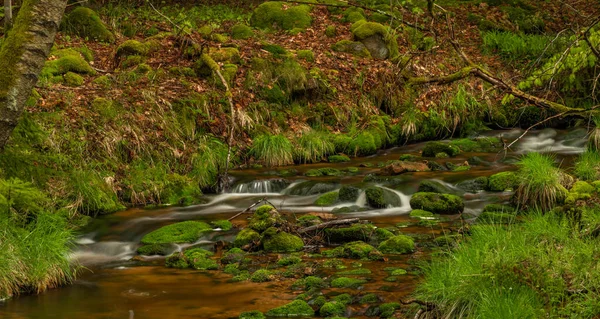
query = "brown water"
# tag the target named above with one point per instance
(116, 286)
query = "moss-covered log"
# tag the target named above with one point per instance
(22, 56)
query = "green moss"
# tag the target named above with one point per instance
(330, 31)
(369, 298)
(503, 181)
(199, 259)
(332, 308)
(419, 213)
(283, 242)
(363, 144)
(307, 55)
(132, 60)
(86, 23)
(222, 224)
(155, 249)
(131, 47)
(327, 199)
(582, 188)
(183, 232)
(388, 309)
(296, 308)
(354, 14)
(103, 81)
(309, 220)
(345, 282)
(242, 276)
(400, 244)
(433, 148)
(375, 197)
(348, 194)
(73, 79)
(291, 260)
(233, 256)
(241, 32)
(177, 260)
(437, 203)
(254, 314)
(353, 47)
(232, 269)
(398, 272)
(363, 30)
(355, 272)
(382, 234)
(272, 13)
(245, 237)
(338, 159)
(355, 250)
(66, 64)
(261, 275)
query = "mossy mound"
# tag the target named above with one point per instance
(581, 190)
(338, 159)
(349, 234)
(241, 32)
(183, 232)
(132, 47)
(378, 39)
(378, 197)
(431, 149)
(246, 237)
(273, 14)
(232, 256)
(67, 61)
(355, 250)
(282, 242)
(309, 220)
(198, 259)
(419, 213)
(224, 225)
(327, 199)
(345, 282)
(332, 308)
(261, 275)
(156, 249)
(254, 314)
(264, 217)
(73, 79)
(483, 144)
(437, 203)
(296, 308)
(86, 23)
(400, 244)
(503, 181)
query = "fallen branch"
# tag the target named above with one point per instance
(426, 304)
(336, 222)
(264, 199)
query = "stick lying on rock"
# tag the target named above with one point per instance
(329, 224)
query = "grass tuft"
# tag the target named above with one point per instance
(272, 150)
(313, 146)
(540, 184)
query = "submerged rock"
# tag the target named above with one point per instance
(355, 250)
(432, 186)
(474, 185)
(437, 203)
(378, 197)
(183, 232)
(433, 148)
(349, 194)
(398, 168)
(349, 234)
(313, 188)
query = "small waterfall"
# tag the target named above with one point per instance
(102, 252)
(265, 186)
(548, 140)
(362, 199)
(404, 199)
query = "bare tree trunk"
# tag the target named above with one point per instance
(22, 57)
(7, 14)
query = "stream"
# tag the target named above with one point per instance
(114, 284)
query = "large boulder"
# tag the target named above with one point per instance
(437, 203)
(378, 197)
(399, 167)
(349, 194)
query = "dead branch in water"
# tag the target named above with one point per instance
(336, 222)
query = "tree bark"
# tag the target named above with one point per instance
(22, 57)
(7, 14)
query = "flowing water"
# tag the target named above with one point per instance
(114, 284)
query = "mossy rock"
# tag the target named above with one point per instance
(400, 244)
(282, 242)
(131, 47)
(104, 81)
(355, 250)
(199, 259)
(382, 234)
(437, 203)
(289, 260)
(306, 55)
(309, 220)
(246, 237)
(419, 213)
(378, 197)
(65, 64)
(264, 217)
(338, 159)
(503, 181)
(480, 145)
(313, 188)
(368, 299)
(349, 234)
(232, 256)
(272, 13)
(433, 148)
(156, 249)
(345, 282)
(388, 309)
(331, 31)
(349, 194)
(183, 232)
(377, 38)
(332, 308)
(296, 308)
(353, 14)
(86, 23)
(582, 187)
(177, 260)
(355, 48)
(254, 314)
(327, 199)
(241, 32)
(261, 275)
(225, 55)
(355, 272)
(474, 185)
(73, 79)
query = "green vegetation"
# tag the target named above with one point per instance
(327, 199)
(182, 232)
(587, 166)
(272, 13)
(241, 32)
(539, 182)
(282, 242)
(519, 47)
(296, 308)
(261, 275)
(272, 150)
(514, 271)
(437, 203)
(86, 23)
(400, 244)
(313, 147)
(503, 181)
(345, 282)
